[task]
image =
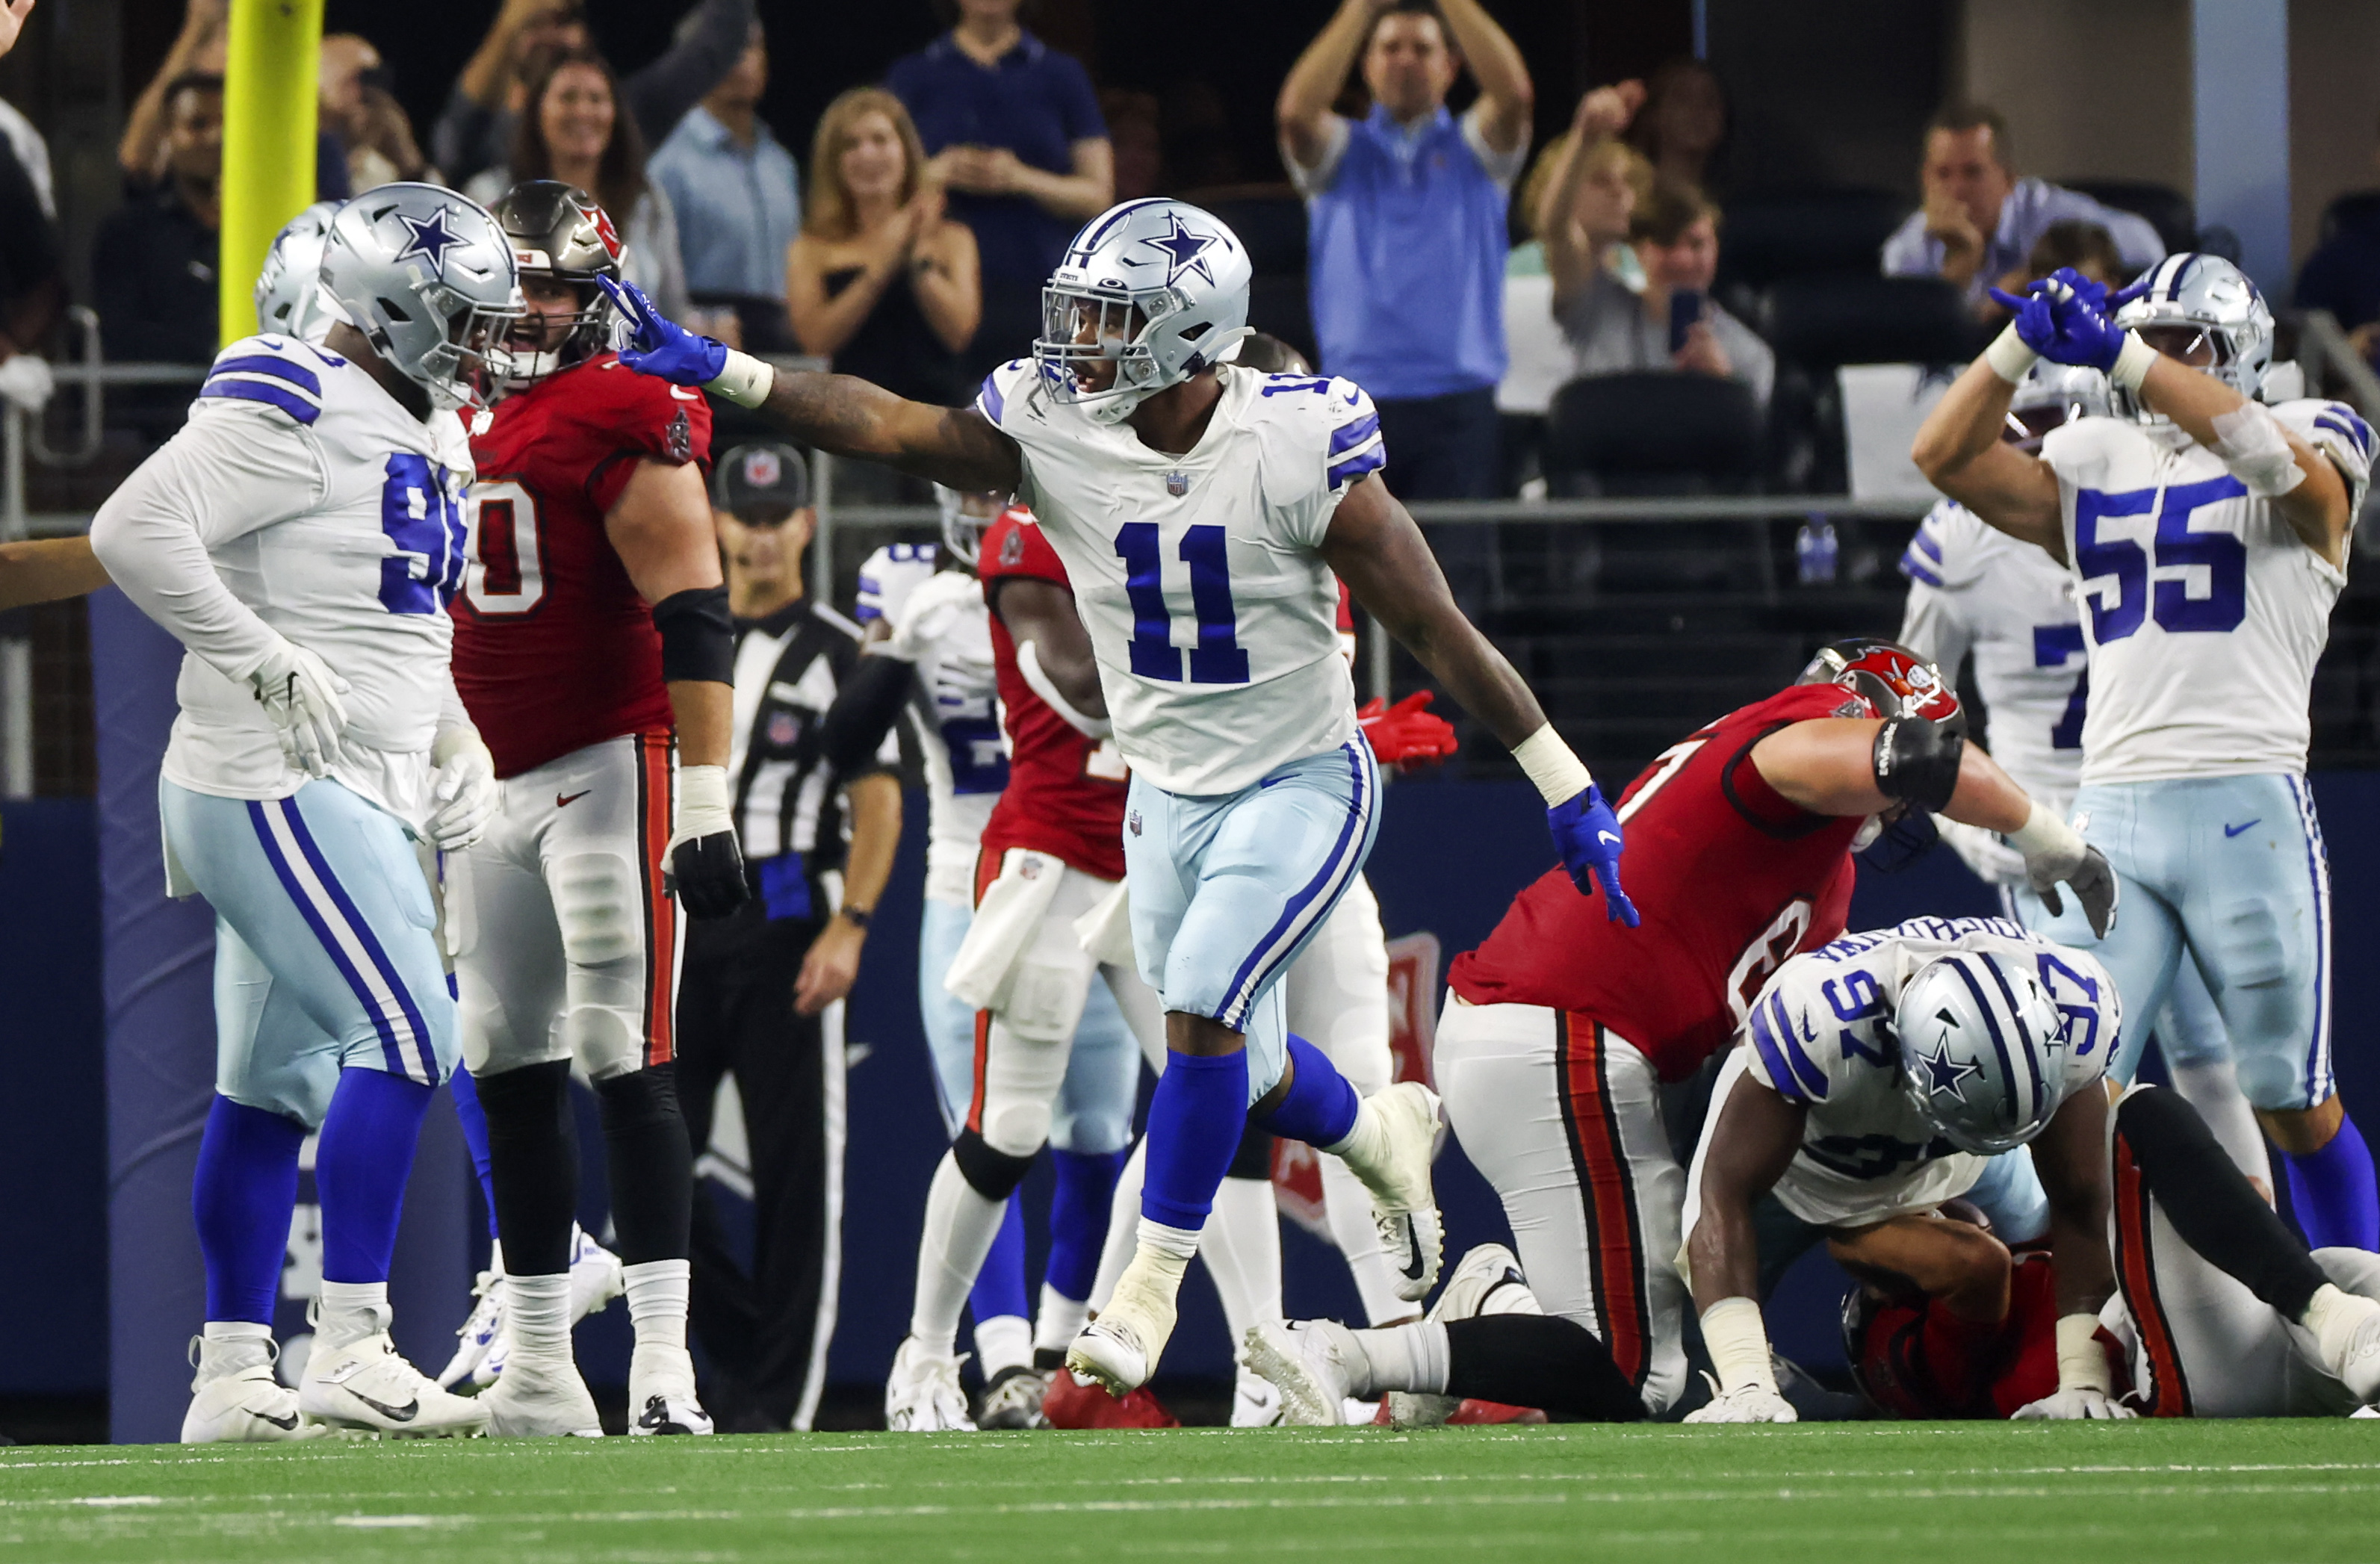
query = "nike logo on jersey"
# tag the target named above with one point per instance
(2234, 831)
(684, 394)
(1605, 836)
(561, 801)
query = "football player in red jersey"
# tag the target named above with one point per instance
(1558, 1036)
(593, 623)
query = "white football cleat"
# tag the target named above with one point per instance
(2359, 1361)
(1308, 1362)
(1404, 1206)
(923, 1394)
(1119, 1349)
(661, 1391)
(595, 1276)
(246, 1406)
(365, 1386)
(1012, 1399)
(1477, 1283)
(541, 1398)
(480, 1335)
(1255, 1400)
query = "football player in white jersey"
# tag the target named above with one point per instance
(1884, 1074)
(300, 536)
(2207, 534)
(1974, 590)
(1195, 501)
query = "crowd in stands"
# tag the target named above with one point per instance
(910, 244)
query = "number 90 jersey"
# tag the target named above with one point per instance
(553, 648)
(1822, 1034)
(2203, 612)
(1213, 617)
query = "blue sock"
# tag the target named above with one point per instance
(475, 1136)
(1079, 1218)
(1000, 1285)
(360, 1165)
(246, 1185)
(1320, 1106)
(1196, 1118)
(2332, 1193)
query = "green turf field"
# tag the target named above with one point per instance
(2009, 1494)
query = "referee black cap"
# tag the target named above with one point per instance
(761, 483)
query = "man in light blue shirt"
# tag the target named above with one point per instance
(1980, 221)
(737, 197)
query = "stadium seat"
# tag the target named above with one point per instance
(2167, 210)
(1653, 432)
(1799, 233)
(1273, 229)
(1819, 323)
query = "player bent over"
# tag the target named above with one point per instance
(1560, 1031)
(593, 622)
(2208, 534)
(300, 536)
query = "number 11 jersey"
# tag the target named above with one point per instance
(553, 648)
(2203, 612)
(1213, 618)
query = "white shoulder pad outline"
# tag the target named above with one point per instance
(281, 372)
(1354, 446)
(2336, 430)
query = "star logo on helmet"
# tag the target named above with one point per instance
(1184, 252)
(1943, 1073)
(428, 238)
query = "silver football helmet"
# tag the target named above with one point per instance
(1981, 1049)
(2051, 396)
(428, 278)
(289, 290)
(964, 517)
(1148, 294)
(2205, 312)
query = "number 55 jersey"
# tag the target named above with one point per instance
(2204, 610)
(1213, 617)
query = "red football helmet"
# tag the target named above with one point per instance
(1893, 679)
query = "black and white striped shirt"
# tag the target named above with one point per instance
(788, 667)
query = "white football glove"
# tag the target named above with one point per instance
(464, 793)
(929, 613)
(26, 381)
(2054, 853)
(300, 697)
(1745, 1403)
(2083, 1403)
(1994, 861)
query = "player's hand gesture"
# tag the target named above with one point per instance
(2069, 319)
(1405, 735)
(1588, 835)
(659, 346)
(300, 697)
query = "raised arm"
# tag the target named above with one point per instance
(1506, 97)
(144, 126)
(1959, 450)
(955, 446)
(1303, 109)
(1574, 255)
(2271, 458)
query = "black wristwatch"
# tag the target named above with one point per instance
(855, 916)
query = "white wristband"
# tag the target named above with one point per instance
(2009, 357)
(745, 380)
(1739, 1345)
(2082, 1362)
(2043, 832)
(2132, 363)
(704, 804)
(1561, 775)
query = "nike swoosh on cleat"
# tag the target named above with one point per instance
(286, 1424)
(561, 802)
(405, 1414)
(1413, 1242)
(2234, 831)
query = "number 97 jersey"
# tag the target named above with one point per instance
(1199, 575)
(2204, 611)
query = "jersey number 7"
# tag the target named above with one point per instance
(1217, 659)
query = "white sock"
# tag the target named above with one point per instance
(351, 1310)
(1347, 1207)
(2214, 1090)
(959, 1226)
(1403, 1357)
(1124, 1225)
(1003, 1341)
(1365, 1150)
(537, 1315)
(227, 1346)
(1242, 1248)
(2331, 1317)
(1164, 1252)
(495, 1258)
(656, 1300)
(1058, 1321)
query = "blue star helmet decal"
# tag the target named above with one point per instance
(1943, 1073)
(428, 238)
(1186, 251)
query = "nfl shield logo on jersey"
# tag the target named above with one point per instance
(1177, 484)
(1012, 548)
(783, 731)
(679, 438)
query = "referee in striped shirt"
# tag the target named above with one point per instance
(762, 997)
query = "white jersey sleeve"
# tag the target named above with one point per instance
(1933, 622)
(2338, 432)
(889, 576)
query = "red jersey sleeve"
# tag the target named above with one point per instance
(1013, 546)
(635, 416)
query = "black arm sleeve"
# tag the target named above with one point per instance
(865, 709)
(659, 95)
(697, 636)
(1918, 761)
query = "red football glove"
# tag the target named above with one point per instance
(1405, 735)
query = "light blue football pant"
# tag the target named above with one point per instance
(1102, 1081)
(1228, 889)
(2189, 1030)
(324, 957)
(2009, 1192)
(2229, 872)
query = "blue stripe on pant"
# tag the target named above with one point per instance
(324, 954)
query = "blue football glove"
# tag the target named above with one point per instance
(2069, 319)
(658, 345)
(1588, 834)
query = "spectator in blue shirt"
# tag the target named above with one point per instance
(1980, 221)
(738, 199)
(1015, 133)
(1406, 239)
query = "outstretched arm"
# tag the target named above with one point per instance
(1959, 450)
(1506, 97)
(46, 569)
(955, 446)
(1302, 111)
